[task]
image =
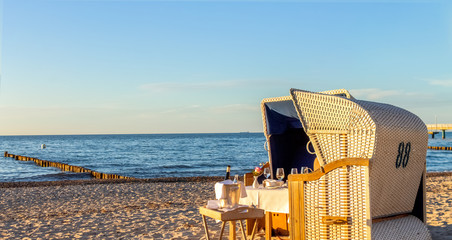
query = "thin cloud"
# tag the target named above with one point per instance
(183, 109)
(375, 93)
(236, 108)
(215, 109)
(442, 83)
(396, 97)
(157, 87)
(171, 86)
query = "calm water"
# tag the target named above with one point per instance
(153, 155)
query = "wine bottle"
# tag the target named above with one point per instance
(228, 172)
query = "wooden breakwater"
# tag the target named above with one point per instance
(67, 167)
(440, 148)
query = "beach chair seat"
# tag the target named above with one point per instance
(407, 227)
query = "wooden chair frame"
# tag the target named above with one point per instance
(345, 222)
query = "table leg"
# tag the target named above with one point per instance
(232, 233)
(268, 225)
(249, 222)
(205, 226)
(254, 229)
(243, 230)
(222, 229)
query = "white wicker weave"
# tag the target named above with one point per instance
(284, 99)
(407, 228)
(339, 92)
(340, 193)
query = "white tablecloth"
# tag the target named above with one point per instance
(271, 200)
(220, 191)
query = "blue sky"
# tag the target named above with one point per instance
(87, 67)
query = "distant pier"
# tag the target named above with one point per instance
(435, 128)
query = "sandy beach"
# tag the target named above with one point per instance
(164, 209)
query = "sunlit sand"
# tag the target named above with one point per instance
(142, 210)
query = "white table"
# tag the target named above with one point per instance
(271, 200)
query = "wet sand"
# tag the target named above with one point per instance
(147, 209)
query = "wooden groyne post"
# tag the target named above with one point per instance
(66, 167)
(440, 148)
(433, 134)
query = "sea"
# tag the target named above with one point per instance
(153, 155)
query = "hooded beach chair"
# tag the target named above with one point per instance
(370, 178)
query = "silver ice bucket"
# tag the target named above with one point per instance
(232, 195)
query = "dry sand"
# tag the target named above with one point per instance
(439, 206)
(142, 210)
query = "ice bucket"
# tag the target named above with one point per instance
(232, 195)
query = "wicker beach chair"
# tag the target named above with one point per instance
(371, 179)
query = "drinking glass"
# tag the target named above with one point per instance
(305, 170)
(294, 171)
(267, 172)
(236, 179)
(280, 173)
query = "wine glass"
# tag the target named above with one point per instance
(267, 172)
(280, 173)
(294, 171)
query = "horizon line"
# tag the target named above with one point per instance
(85, 134)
